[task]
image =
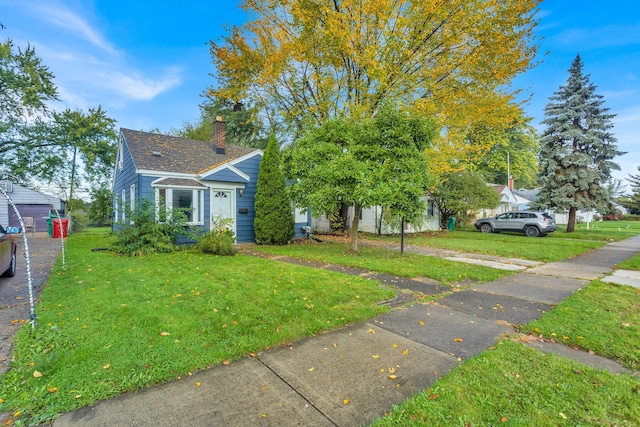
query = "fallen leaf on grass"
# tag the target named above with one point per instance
(107, 366)
(37, 374)
(504, 419)
(433, 396)
(53, 389)
(165, 334)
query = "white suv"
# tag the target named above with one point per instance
(531, 223)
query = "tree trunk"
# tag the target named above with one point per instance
(571, 224)
(353, 245)
(344, 216)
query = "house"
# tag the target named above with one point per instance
(30, 203)
(212, 179)
(375, 220)
(509, 201)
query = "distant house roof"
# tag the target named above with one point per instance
(530, 195)
(151, 151)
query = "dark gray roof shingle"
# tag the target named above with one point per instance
(151, 151)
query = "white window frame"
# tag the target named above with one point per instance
(115, 209)
(120, 156)
(197, 194)
(132, 201)
(124, 204)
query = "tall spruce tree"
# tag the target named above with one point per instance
(576, 148)
(634, 200)
(274, 223)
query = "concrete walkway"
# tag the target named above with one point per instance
(350, 376)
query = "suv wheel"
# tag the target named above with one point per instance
(485, 228)
(532, 231)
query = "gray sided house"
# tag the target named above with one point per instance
(30, 203)
(213, 179)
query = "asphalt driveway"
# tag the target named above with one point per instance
(14, 291)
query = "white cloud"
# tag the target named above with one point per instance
(64, 18)
(89, 70)
(134, 86)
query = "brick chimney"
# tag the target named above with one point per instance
(219, 130)
(510, 183)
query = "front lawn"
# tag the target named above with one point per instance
(512, 384)
(108, 324)
(389, 261)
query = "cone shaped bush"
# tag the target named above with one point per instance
(274, 223)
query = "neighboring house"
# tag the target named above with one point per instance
(212, 179)
(509, 201)
(30, 203)
(374, 220)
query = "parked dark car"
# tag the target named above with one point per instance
(8, 251)
(531, 223)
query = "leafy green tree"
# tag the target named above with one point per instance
(26, 86)
(577, 148)
(73, 137)
(101, 206)
(374, 162)
(274, 223)
(461, 192)
(242, 126)
(515, 151)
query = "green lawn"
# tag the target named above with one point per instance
(389, 261)
(108, 324)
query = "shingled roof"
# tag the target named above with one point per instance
(151, 151)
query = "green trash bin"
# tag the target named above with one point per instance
(50, 226)
(451, 223)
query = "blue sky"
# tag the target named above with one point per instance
(147, 62)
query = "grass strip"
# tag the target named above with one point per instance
(390, 262)
(512, 384)
(603, 318)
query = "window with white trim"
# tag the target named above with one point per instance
(188, 199)
(132, 200)
(120, 156)
(124, 204)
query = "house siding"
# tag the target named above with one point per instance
(26, 197)
(226, 175)
(123, 179)
(246, 203)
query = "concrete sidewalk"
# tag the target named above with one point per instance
(353, 375)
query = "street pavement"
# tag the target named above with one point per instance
(351, 376)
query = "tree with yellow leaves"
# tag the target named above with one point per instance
(320, 59)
